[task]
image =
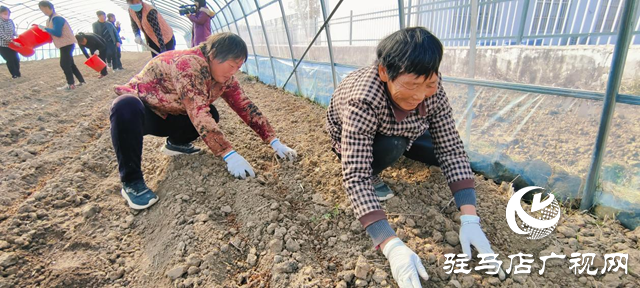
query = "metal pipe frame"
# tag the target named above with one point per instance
(401, 13)
(293, 58)
(329, 45)
(471, 92)
(219, 11)
(613, 85)
(266, 40)
(537, 89)
(234, 20)
(250, 37)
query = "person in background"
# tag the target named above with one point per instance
(7, 33)
(173, 97)
(108, 32)
(398, 106)
(64, 40)
(201, 23)
(157, 32)
(96, 45)
(117, 61)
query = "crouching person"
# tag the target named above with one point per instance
(396, 107)
(173, 97)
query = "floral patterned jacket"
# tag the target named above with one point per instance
(179, 82)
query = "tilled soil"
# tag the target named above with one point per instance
(63, 222)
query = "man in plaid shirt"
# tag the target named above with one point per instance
(395, 107)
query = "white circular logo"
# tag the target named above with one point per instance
(536, 227)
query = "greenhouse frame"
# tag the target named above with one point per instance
(308, 47)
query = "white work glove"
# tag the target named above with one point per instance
(282, 150)
(405, 264)
(97, 53)
(471, 234)
(237, 165)
(138, 40)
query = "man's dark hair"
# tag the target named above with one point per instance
(46, 4)
(4, 9)
(111, 15)
(412, 51)
(226, 45)
(101, 13)
(80, 36)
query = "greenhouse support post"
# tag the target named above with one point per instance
(613, 85)
(266, 41)
(351, 28)
(293, 58)
(329, 45)
(408, 14)
(471, 91)
(253, 47)
(523, 21)
(401, 13)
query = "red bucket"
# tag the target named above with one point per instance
(22, 49)
(95, 63)
(34, 37)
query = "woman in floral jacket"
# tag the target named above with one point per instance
(173, 97)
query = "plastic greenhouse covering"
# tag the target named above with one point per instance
(528, 110)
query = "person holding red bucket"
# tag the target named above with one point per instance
(7, 32)
(64, 40)
(97, 46)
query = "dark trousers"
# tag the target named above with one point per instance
(170, 46)
(388, 149)
(13, 60)
(131, 120)
(111, 53)
(116, 63)
(68, 66)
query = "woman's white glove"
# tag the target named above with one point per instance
(282, 150)
(471, 234)
(238, 166)
(138, 40)
(405, 264)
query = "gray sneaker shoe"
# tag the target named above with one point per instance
(382, 190)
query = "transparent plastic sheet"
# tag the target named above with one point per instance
(619, 182)
(528, 139)
(265, 73)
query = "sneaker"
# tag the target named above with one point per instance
(382, 190)
(67, 87)
(179, 149)
(81, 83)
(138, 195)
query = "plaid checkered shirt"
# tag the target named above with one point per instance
(7, 32)
(360, 108)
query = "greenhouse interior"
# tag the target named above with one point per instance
(542, 93)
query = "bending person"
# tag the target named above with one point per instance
(173, 97)
(395, 107)
(96, 45)
(158, 33)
